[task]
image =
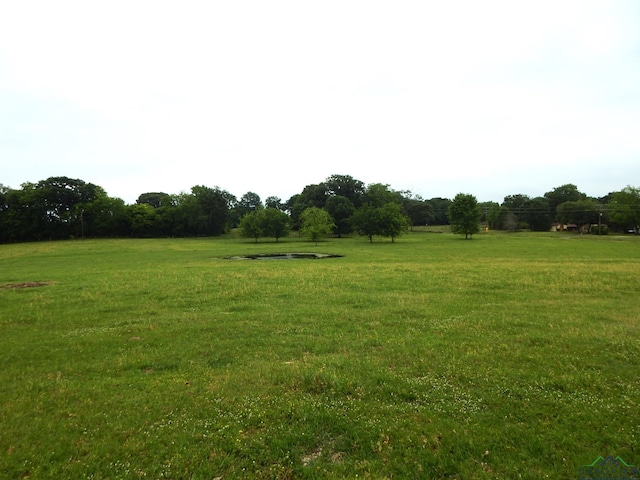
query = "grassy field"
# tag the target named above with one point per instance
(508, 356)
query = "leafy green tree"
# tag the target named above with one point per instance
(248, 202)
(345, 186)
(155, 199)
(275, 223)
(266, 222)
(485, 208)
(340, 208)
(316, 223)
(251, 225)
(378, 194)
(581, 212)
(496, 216)
(564, 193)
(365, 220)
(464, 215)
(207, 211)
(624, 209)
(539, 215)
(440, 206)
(274, 202)
(142, 218)
(312, 196)
(392, 222)
(418, 210)
(107, 217)
(518, 205)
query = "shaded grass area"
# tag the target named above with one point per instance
(506, 356)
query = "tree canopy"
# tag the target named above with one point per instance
(316, 223)
(464, 214)
(62, 207)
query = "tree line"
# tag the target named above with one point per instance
(63, 208)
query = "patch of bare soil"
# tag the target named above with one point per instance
(24, 285)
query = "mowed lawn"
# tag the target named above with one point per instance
(507, 356)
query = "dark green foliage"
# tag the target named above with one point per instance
(392, 222)
(249, 202)
(155, 199)
(539, 214)
(345, 186)
(275, 223)
(365, 221)
(274, 202)
(439, 206)
(62, 207)
(464, 215)
(564, 193)
(418, 210)
(624, 209)
(580, 212)
(267, 222)
(341, 209)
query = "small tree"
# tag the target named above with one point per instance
(274, 223)
(393, 222)
(316, 223)
(251, 225)
(365, 221)
(464, 215)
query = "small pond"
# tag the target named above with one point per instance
(283, 256)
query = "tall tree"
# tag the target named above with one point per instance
(312, 196)
(379, 194)
(564, 193)
(624, 209)
(518, 208)
(464, 215)
(345, 186)
(539, 215)
(155, 199)
(274, 202)
(248, 202)
(439, 206)
(208, 210)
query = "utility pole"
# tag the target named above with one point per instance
(600, 224)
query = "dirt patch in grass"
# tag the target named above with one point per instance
(8, 286)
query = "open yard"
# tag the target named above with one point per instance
(507, 356)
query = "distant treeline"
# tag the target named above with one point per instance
(63, 208)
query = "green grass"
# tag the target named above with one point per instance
(508, 356)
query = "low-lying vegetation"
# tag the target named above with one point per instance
(509, 356)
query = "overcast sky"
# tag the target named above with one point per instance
(438, 97)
